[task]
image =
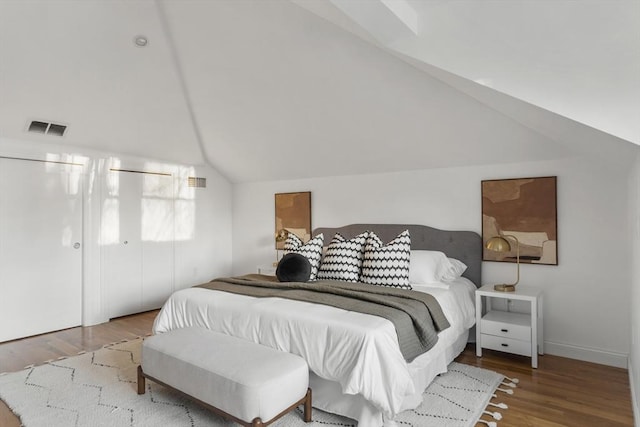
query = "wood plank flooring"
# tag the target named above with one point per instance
(561, 392)
(15, 355)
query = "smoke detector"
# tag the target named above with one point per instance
(140, 41)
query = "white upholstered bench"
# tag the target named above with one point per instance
(246, 382)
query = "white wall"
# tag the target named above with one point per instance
(199, 255)
(587, 313)
(634, 232)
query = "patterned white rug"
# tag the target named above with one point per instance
(99, 389)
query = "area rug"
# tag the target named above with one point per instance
(98, 389)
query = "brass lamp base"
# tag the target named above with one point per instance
(505, 288)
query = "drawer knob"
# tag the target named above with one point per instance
(504, 330)
(505, 345)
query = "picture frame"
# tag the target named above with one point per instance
(293, 214)
(524, 208)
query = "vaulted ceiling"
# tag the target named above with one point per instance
(279, 89)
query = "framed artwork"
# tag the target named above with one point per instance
(293, 213)
(524, 208)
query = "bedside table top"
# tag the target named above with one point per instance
(521, 292)
(268, 269)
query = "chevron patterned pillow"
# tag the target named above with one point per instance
(387, 265)
(312, 250)
(343, 259)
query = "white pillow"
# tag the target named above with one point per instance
(428, 267)
(455, 270)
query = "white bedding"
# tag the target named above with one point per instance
(358, 351)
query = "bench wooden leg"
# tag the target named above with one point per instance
(307, 407)
(141, 381)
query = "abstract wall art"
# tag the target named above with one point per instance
(525, 208)
(293, 214)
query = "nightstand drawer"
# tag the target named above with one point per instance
(505, 344)
(507, 324)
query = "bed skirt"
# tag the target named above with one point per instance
(328, 395)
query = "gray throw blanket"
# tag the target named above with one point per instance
(417, 316)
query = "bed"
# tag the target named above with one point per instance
(356, 367)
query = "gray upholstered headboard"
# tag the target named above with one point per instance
(463, 245)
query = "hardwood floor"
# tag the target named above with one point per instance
(15, 355)
(561, 392)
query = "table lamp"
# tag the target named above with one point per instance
(281, 236)
(501, 244)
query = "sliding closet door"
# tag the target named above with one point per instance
(122, 245)
(158, 240)
(40, 247)
(138, 242)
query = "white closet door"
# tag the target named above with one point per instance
(138, 244)
(40, 247)
(158, 239)
(122, 246)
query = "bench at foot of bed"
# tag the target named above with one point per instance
(249, 383)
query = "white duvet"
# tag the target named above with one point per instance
(359, 351)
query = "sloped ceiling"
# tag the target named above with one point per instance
(75, 63)
(261, 90)
(579, 59)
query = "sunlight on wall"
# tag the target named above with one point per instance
(110, 218)
(70, 167)
(167, 204)
(185, 205)
(112, 180)
(157, 208)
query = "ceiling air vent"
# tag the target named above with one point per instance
(197, 182)
(47, 128)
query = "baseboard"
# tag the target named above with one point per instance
(634, 396)
(609, 358)
(94, 320)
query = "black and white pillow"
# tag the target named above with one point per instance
(387, 265)
(343, 259)
(312, 250)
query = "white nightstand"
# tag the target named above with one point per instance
(516, 333)
(268, 269)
